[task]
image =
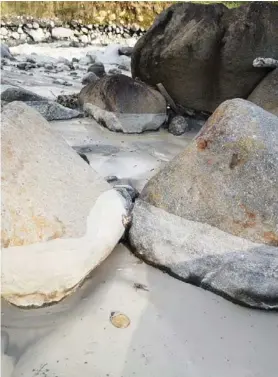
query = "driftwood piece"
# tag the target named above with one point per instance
(265, 63)
(167, 96)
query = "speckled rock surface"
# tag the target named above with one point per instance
(233, 267)
(228, 176)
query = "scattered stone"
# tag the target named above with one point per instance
(125, 50)
(51, 110)
(69, 100)
(86, 60)
(178, 125)
(89, 78)
(84, 39)
(92, 56)
(36, 25)
(59, 238)
(265, 63)
(37, 35)
(49, 67)
(62, 82)
(74, 44)
(61, 33)
(25, 66)
(227, 177)
(20, 94)
(3, 31)
(123, 104)
(266, 93)
(15, 35)
(97, 68)
(203, 66)
(61, 67)
(114, 71)
(197, 253)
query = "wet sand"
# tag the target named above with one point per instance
(176, 329)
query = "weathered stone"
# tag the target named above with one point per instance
(178, 125)
(60, 219)
(228, 176)
(51, 110)
(20, 94)
(265, 63)
(203, 53)
(61, 33)
(37, 35)
(238, 269)
(69, 100)
(123, 104)
(266, 93)
(89, 78)
(97, 68)
(125, 50)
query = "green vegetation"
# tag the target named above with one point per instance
(120, 12)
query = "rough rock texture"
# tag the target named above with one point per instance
(228, 176)
(69, 100)
(238, 269)
(61, 33)
(203, 54)
(97, 68)
(123, 104)
(178, 125)
(51, 110)
(60, 219)
(20, 94)
(89, 77)
(266, 93)
(37, 35)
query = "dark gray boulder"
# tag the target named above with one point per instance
(97, 68)
(228, 176)
(203, 53)
(125, 50)
(123, 104)
(20, 94)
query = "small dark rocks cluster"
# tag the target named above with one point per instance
(17, 30)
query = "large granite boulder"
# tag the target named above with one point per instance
(123, 104)
(228, 176)
(203, 53)
(60, 219)
(233, 267)
(266, 93)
